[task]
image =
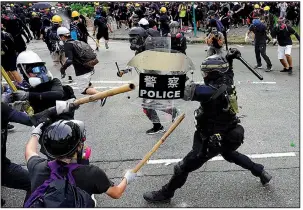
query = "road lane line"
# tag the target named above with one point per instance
(218, 158)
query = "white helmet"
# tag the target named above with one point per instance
(143, 22)
(53, 8)
(28, 57)
(62, 31)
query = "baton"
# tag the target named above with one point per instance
(250, 68)
(28, 109)
(104, 94)
(158, 144)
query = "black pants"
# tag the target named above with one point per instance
(198, 156)
(16, 177)
(260, 49)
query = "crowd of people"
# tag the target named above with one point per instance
(65, 33)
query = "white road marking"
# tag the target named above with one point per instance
(253, 82)
(253, 156)
(99, 81)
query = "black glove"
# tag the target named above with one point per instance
(63, 74)
(20, 95)
(233, 53)
(44, 116)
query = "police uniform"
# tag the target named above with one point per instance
(217, 128)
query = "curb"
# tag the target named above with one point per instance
(198, 41)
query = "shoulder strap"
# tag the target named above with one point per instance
(219, 92)
(54, 166)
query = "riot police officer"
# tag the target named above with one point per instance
(178, 40)
(217, 127)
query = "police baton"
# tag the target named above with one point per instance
(250, 68)
(158, 144)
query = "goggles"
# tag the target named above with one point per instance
(38, 70)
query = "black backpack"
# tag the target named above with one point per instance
(60, 192)
(85, 55)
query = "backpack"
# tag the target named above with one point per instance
(85, 55)
(60, 192)
(75, 32)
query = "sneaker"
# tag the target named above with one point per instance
(70, 79)
(268, 69)
(106, 46)
(103, 101)
(265, 178)
(155, 130)
(10, 127)
(97, 49)
(290, 70)
(157, 197)
(285, 70)
(258, 67)
(2, 202)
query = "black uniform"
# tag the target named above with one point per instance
(14, 26)
(8, 52)
(217, 132)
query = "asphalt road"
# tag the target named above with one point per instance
(116, 132)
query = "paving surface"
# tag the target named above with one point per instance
(116, 132)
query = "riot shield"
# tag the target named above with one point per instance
(159, 74)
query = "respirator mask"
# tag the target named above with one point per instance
(36, 74)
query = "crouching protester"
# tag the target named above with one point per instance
(82, 57)
(64, 182)
(13, 175)
(217, 128)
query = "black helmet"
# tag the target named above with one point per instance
(62, 138)
(137, 31)
(214, 65)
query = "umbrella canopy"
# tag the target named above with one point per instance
(42, 5)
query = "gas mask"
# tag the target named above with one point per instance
(136, 43)
(42, 75)
(174, 31)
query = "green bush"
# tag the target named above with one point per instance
(86, 10)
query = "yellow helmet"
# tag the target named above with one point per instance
(97, 3)
(30, 4)
(267, 8)
(12, 5)
(75, 14)
(137, 5)
(257, 6)
(163, 10)
(56, 19)
(34, 14)
(127, 5)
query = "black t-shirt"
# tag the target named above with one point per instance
(260, 33)
(101, 23)
(89, 178)
(283, 36)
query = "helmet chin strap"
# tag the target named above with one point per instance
(24, 71)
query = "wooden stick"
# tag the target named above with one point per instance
(158, 144)
(104, 94)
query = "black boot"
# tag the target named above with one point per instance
(160, 196)
(2, 202)
(265, 178)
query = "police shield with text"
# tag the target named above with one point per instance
(162, 74)
(217, 127)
